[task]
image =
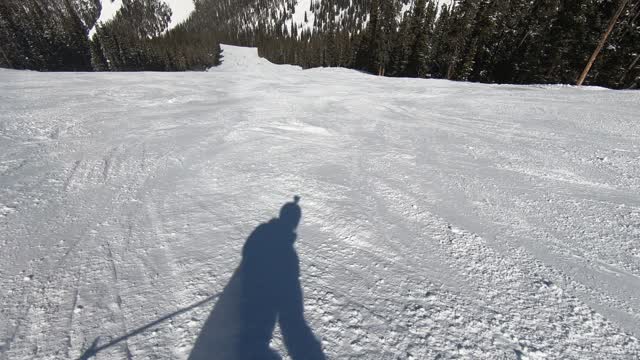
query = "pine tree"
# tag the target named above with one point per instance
(442, 46)
(403, 47)
(423, 17)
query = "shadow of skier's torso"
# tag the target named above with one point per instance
(265, 289)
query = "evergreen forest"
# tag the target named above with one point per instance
(490, 41)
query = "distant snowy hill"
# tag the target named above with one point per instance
(181, 10)
(311, 15)
(302, 15)
(245, 59)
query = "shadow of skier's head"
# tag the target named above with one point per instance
(290, 215)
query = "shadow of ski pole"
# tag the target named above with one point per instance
(94, 348)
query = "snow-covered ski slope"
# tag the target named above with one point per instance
(440, 219)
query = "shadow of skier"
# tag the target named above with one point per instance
(264, 289)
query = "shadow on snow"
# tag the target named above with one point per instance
(264, 290)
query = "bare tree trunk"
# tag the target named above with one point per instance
(633, 63)
(6, 59)
(601, 43)
(452, 64)
(524, 38)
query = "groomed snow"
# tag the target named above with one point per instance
(440, 219)
(246, 60)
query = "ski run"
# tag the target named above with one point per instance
(440, 220)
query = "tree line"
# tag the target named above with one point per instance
(493, 41)
(53, 35)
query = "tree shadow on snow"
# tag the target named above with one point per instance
(264, 289)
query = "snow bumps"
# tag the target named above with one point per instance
(441, 219)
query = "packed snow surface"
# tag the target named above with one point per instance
(439, 219)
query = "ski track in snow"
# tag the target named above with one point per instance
(440, 219)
